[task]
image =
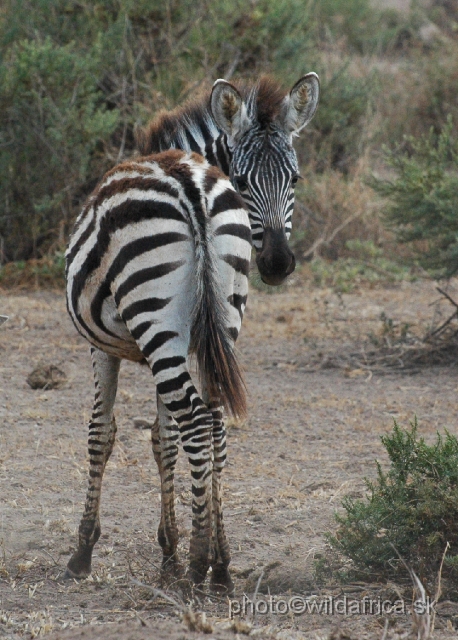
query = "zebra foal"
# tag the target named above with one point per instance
(157, 269)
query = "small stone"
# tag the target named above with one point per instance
(46, 376)
(143, 423)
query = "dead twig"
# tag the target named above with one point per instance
(158, 593)
(421, 615)
(446, 295)
(194, 620)
(445, 324)
(255, 594)
(323, 240)
(439, 586)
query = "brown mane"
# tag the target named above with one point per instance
(264, 100)
(269, 97)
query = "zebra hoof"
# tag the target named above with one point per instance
(197, 573)
(221, 581)
(79, 565)
(71, 575)
(171, 570)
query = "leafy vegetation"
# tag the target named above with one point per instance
(413, 507)
(423, 198)
(45, 272)
(77, 78)
(367, 265)
(55, 122)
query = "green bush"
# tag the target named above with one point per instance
(53, 124)
(423, 198)
(76, 78)
(414, 506)
(337, 128)
(346, 274)
(46, 272)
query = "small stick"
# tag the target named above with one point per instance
(439, 586)
(422, 622)
(255, 594)
(441, 291)
(161, 594)
(385, 630)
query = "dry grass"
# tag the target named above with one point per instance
(42, 273)
(305, 444)
(334, 209)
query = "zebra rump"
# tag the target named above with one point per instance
(105, 246)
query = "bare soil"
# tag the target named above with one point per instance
(313, 433)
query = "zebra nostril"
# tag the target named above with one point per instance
(292, 265)
(275, 264)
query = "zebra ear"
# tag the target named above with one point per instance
(300, 105)
(229, 110)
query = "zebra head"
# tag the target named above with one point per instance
(259, 130)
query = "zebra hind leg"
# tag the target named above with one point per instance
(164, 437)
(220, 577)
(181, 399)
(195, 422)
(102, 430)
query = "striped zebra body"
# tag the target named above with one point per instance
(247, 131)
(157, 271)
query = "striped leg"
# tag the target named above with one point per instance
(183, 403)
(164, 437)
(220, 578)
(196, 436)
(102, 430)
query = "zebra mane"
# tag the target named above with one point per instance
(168, 130)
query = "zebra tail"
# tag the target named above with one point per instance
(219, 369)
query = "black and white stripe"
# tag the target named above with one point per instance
(247, 132)
(157, 271)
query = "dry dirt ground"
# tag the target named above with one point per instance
(313, 433)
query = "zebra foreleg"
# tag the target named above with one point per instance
(102, 430)
(164, 437)
(220, 576)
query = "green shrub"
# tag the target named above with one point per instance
(337, 130)
(46, 272)
(52, 127)
(344, 274)
(414, 506)
(76, 78)
(423, 198)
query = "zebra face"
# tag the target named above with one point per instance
(264, 170)
(259, 130)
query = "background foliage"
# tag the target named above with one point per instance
(411, 510)
(77, 77)
(423, 198)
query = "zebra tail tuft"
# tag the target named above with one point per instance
(219, 369)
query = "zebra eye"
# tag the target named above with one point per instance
(241, 182)
(294, 180)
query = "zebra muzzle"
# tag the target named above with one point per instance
(275, 261)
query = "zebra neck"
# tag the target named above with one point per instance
(218, 153)
(204, 138)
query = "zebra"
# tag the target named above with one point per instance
(247, 131)
(157, 269)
